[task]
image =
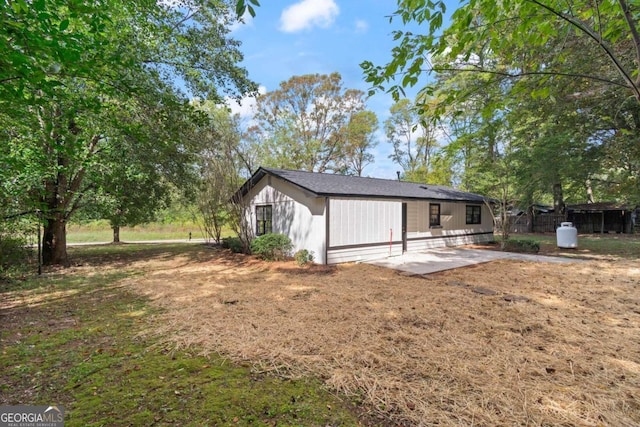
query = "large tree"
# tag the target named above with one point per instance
(303, 124)
(563, 77)
(134, 57)
(517, 30)
(221, 160)
(359, 140)
(412, 138)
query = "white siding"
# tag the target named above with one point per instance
(364, 229)
(358, 222)
(448, 239)
(452, 218)
(453, 230)
(362, 253)
(295, 213)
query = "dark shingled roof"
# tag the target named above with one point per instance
(323, 184)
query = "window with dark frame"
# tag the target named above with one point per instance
(434, 214)
(473, 214)
(263, 220)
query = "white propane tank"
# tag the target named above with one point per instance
(567, 235)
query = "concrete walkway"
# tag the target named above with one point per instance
(441, 259)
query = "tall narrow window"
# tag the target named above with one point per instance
(263, 220)
(434, 215)
(473, 214)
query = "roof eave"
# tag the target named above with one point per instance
(258, 176)
(394, 197)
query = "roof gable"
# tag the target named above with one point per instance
(322, 184)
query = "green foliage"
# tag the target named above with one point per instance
(272, 246)
(413, 140)
(303, 257)
(234, 244)
(547, 90)
(14, 255)
(516, 30)
(17, 242)
(219, 161)
(243, 6)
(44, 40)
(359, 141)
(91, 115)
(522, 245)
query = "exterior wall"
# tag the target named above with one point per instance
(449, 239)
(361, 229)
(453, 230)
(364, 253)
(294, 213)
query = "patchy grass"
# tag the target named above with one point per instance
(591, 245)
(78, 338)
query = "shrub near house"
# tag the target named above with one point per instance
(272, 246)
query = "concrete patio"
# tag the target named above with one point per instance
(441, 259)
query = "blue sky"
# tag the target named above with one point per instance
(299, 37)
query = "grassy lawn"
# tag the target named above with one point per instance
(100, 232)
(79, 338)
(608, 245)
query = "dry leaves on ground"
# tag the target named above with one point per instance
(448, 349)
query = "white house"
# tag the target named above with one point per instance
(345, 218)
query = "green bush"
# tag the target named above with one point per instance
(303, 257)
(14, 255)
(522, 245)
(272, 246)
(233, 243)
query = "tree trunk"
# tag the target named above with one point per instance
(558, 199)
(54, 245)
(530, 213)
(589, 192)
(116, 233)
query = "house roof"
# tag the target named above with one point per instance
(322, 184)
(601, 207)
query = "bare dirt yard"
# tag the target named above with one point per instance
(500, 344)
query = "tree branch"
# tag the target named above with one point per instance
(8, 79)
(595, 36)
(634, 33)
(529, 73)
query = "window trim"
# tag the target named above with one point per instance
(431, 223)
(470, 217)
(264, 222)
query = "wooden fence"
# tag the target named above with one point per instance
(545, 223)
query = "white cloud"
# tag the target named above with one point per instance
(246, 107)
(307, 14)
(361, 26)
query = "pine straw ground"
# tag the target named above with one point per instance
(424, 351)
